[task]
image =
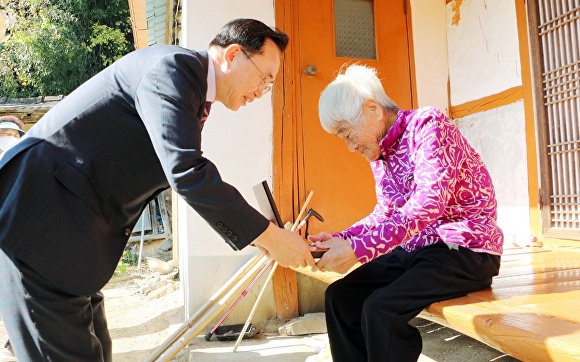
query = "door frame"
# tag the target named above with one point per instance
(287, 119)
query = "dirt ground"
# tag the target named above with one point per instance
(143, 310)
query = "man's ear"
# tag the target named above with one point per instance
(231, 52)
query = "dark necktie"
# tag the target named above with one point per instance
(205, 113)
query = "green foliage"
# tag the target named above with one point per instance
(121, 269)
(56, 45)
(130, 258)
(109, 43)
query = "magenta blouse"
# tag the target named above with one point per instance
(431, 187)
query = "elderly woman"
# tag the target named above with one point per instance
(431, 236)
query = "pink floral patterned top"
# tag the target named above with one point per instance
(431, 187)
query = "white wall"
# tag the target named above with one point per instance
(484, 60)
(499, 137)
(240, 144)
(430, 53)
(483, 49)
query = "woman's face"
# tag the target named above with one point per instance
(9, 132)
(365, 137)
(8, 137)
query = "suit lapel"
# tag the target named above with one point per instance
(17, 148)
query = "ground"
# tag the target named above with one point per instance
(143, 309)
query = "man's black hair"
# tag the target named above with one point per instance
(250, 34)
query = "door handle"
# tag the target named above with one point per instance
(311, 70)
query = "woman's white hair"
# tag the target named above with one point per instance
(342, 99)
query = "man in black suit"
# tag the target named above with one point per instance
(73, 188)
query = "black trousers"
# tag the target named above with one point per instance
(367, 312)
(45, 323)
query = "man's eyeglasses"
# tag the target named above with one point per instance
(266, 87)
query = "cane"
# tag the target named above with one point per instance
(255, 307)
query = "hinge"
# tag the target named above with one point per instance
(540, 201)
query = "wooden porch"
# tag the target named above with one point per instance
(532, 310)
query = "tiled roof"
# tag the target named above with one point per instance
(28, 110)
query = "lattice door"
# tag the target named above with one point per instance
(555, 33)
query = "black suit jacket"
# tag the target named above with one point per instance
(72, 190)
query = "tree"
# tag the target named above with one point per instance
(56, 45)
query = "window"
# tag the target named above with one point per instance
(354, 28)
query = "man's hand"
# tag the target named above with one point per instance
(339, 258)
(286, 247)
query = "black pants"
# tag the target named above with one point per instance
(367, 312)
(45, 323)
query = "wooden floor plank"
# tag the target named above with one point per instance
(531, 278)
(565, 309)
(526, 336)
(524, 271)
(543, 260)
(521, 251)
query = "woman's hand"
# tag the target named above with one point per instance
(339, 258)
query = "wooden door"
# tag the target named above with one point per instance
(330, 34)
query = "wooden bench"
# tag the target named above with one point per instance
(532, 310)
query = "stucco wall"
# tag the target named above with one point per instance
(430, 53)
(484, 60)
(499, 137)
(240, 144)
(483, 48)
